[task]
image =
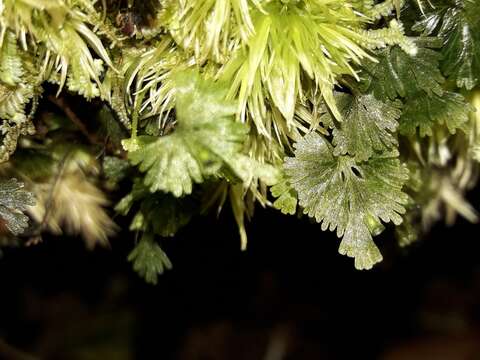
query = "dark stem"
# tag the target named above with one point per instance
(70, 114)
(61, 103)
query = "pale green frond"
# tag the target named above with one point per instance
(426, 112)
(11, 67)
(286, 196)
(456, 24)
(347, 196)
(14, 200)
(399, 74)
(169, 164)
(14, 102)
(205, 139)
(368, 125)
(418, 81)
(149, 260)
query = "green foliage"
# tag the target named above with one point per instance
(18, 81)
(449, 110)
(14, 200)
(348, 196)
(298, 39)
(368, 125)
(61, 30)
(115, 169)
(216, 95)
(286, 200)
(205, 139)
(159, 213)
(398, 74)
(456, 24)
(11, 68)
(417, 81)
(148, 259)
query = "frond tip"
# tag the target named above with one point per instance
(149, 260)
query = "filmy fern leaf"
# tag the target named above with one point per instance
(15, 96)
(418, 82)
(159, 213)
(368, 126)
(456, 23)
(14, 200)
(11, 67)
(424, 113)
(398, 74)
(347, 196)
(286, 198)
(149, 260)
(205, 139)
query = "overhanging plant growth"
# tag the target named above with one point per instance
(360, 114)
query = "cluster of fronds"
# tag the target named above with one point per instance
(355, 112)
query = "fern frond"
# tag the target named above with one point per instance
(14, 200)
(347, 196)
(16, 94)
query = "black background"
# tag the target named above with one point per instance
(221, 303)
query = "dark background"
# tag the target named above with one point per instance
(290, 292)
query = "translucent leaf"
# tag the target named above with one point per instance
(400, 74)
(418, 81)
(115, 169)
(368, 125)
(139, 191)
(408, 231)
(167, 214)
(205, 139)
(19, 91)
(149, 260)
(13, 101)
(13, 201)
(286, 200)
(424, 112)
(163, 214)
(11, 68)
(159, 213)
(456, 23)
(347, 196)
